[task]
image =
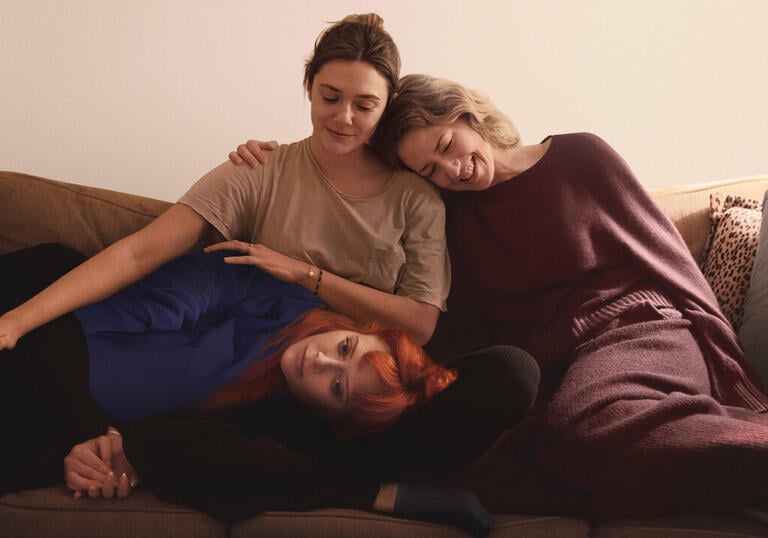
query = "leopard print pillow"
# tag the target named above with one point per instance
(731, 252)
(719, 204)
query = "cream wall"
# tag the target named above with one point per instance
(147, 95)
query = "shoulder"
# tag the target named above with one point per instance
(228, 175)
(414, 188)
(583, 140)
(586, 141)
(588, 149)
(293, 150)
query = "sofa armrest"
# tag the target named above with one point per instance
(688, 205)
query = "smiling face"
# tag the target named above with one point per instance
(348, 99)
(452, 156)
(326, 370)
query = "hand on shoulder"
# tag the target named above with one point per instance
(253, 152)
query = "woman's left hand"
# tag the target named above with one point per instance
(278, 265)
(252, 152)
(98, 467)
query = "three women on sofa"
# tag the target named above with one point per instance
(647, 404)
(561, 252)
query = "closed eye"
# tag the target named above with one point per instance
(426, 171)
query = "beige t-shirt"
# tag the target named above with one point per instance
(393, 241)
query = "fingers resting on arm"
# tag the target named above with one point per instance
(276, 264)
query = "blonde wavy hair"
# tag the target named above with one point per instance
(424, 101)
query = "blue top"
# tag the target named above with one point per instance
(169, 340)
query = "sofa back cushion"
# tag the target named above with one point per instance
(35, 210)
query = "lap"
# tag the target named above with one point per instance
(647, 349)
(46, 402)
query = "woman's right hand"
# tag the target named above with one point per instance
(9, 333)
(252, 152)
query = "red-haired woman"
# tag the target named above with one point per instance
(197, 334)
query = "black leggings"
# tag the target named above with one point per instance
(46, 405)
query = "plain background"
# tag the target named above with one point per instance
(146, 96)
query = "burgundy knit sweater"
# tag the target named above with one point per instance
(545, 261)
(538, 256)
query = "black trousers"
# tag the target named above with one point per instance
(45, 402)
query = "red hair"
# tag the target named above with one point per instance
(409, 376)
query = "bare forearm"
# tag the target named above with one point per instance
(359, 302)
(363, 303)
(122, 263)
(95, 279)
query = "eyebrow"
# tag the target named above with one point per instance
(361, 96)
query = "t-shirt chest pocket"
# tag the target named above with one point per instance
(385, 268)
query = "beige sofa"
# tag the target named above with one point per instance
(35, 210)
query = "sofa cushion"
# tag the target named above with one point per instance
(51, 511)
(753, 334)
(340, 523)
(681, 526)
(730, 252)
(36, 210)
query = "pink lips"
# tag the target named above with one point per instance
(337, 133)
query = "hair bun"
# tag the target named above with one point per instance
(368, 19)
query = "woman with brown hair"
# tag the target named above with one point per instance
(326, 213)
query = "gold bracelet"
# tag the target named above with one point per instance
(319, 278)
